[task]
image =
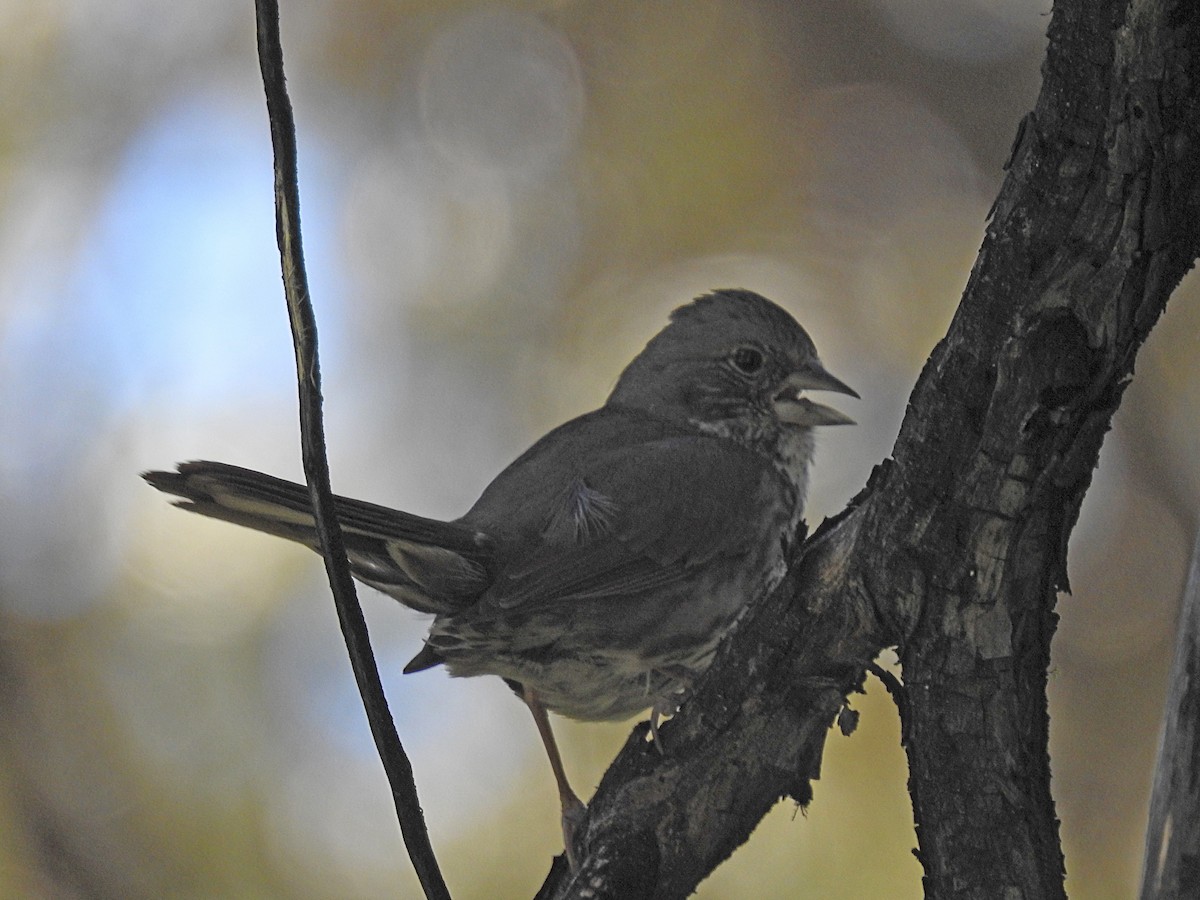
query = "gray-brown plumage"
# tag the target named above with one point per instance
(599, 571)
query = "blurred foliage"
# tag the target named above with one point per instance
(502, 202)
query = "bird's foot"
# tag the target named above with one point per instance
(665, 706)
(574, 812)
(656, 712)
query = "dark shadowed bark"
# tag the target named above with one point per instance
(956, 549)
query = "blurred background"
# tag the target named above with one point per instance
(501, 205)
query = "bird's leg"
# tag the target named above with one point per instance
(573, 809)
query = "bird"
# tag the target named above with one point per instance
(599, 571)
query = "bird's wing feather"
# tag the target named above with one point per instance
(650, 514)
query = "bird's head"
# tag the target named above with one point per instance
(731, 361)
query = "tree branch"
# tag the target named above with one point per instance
(1093, 228)
(955, 551)
(316, 465)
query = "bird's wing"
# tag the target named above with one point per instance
(427, 564)
(640, 518)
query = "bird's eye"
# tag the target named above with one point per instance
(747, 360)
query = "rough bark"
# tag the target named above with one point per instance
(956, 549)
(1094, 226)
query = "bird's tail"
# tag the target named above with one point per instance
(426, 564)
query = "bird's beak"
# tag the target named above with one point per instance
(790, 406)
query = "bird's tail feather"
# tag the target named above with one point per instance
(427, 564)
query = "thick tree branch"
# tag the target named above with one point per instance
(956, 549)
(1093, 228)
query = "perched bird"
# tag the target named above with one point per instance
(599, 571)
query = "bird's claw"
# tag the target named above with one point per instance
(574, 812)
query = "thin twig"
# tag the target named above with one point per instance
(316, 465)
